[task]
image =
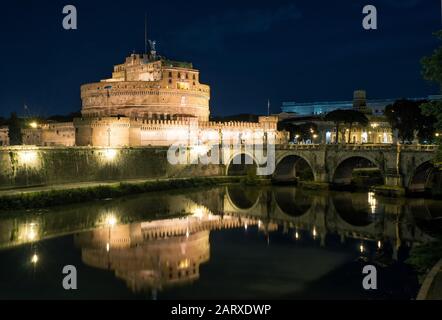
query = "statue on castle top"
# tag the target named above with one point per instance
(152, 45)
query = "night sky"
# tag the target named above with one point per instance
(247, 51)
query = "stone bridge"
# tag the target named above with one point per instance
(404, 166)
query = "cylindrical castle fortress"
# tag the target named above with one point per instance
(146, 88)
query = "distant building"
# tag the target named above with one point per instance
(50, 134)
(378, 130)
(4, 136)
(376, 106)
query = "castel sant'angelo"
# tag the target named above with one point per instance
(154, 101)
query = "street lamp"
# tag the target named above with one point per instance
(34, 259)
(33, 125)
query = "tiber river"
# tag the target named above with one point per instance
(224, 242)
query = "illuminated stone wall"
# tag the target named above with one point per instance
(25, 166)
(50, 134)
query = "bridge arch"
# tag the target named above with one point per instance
(427, 214)
(421, 178)
(292, 201)
(293, 167)
(240, 163)
(343, 172)
(242, 199)
(356, 211)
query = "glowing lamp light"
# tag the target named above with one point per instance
(372, 202)
(33, 125)
(245, 226)
(110, 154)
(28, 157)
(379, 244)
(31, 231)
(32, 235)
(361, 248)
(34, 259)
(437, 134)
(296, 235)
(111, 220)
(314, 232)
(184, 264)
(315, 136)
(107, 247)
(198, 212)
(187, 233)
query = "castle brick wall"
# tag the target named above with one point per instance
(50, 134)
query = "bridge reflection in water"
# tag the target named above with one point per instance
(157, 241)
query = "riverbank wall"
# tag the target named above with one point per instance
(45, 166)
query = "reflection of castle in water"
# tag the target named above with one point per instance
(168, 251)
(153, 255)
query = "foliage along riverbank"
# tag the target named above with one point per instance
(54, 197)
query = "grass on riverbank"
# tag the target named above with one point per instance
(54, 197)
(423, 257)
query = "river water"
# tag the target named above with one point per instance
(225, 242)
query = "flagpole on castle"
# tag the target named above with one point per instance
(145, 33)
(268, 107)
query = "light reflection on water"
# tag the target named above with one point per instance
(169, 245)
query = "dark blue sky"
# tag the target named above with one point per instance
(247, 51)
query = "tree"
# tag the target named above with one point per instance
(337, 117)
(353, 116)
(432, 71)
(432, 65)
(304, 131)
(15, 125)
(407, 117)
(348, 117)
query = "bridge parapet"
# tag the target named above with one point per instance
(334, 163)
(358, 147)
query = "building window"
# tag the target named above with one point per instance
(170, 74)
(179, 75)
